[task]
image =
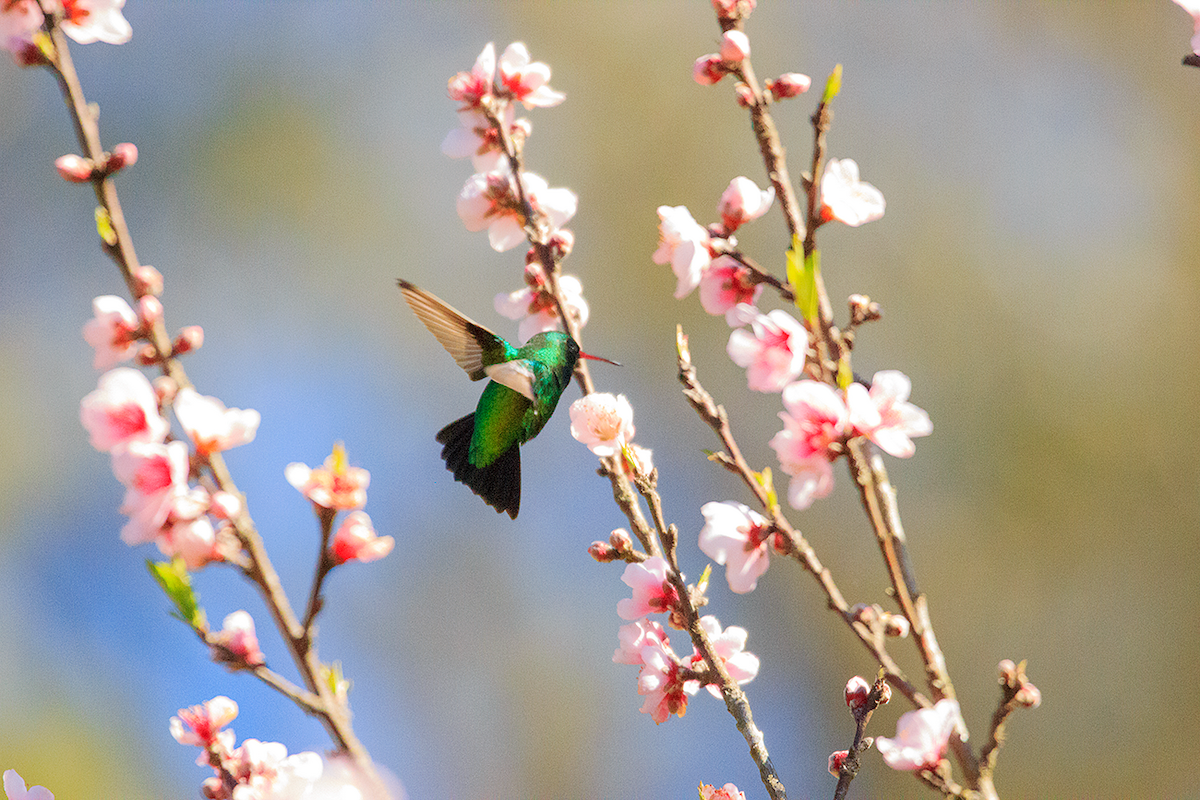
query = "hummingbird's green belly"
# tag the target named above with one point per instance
(500, 423)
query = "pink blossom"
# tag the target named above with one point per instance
(88, 21)
(469, 88)
(74, 169)
(743, 202)
(19, 20)
(603, 422)
(489, 200)
(734, 9)
(773, 351)
(856, 692)
(478, 138)
(355, 540)
(201, 725)
(682, 243)
(265, 771)
(660, 682)
(885, 415)
(337, 485)
(725, 284)
(1193, 8)
(535, 307)
(635, 637)
(191, 538)
(238, 637)
(122, 409)
(921, 737)
(739, 538)
(815, 420)
(847, 199)
(836, 759)
(112, 331)
(727, 792)
(789, 84)
(156, 475)
(730, 646)
(14, 787)
(708, 69)
(735, 46)
(213, 427)
(527, 82)
(653, 593)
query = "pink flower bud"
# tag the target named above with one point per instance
(148, 280)
(895, 625)
(866, 614)
(355, 540)
(621, 541)
(733, 9)
(602, 552)
(1029, 696)
(123, 155)
(857, 690)
(885, 694)
(708, 69)
(75, 169)
(190, 338)
(789, 84)
(836, 760)
(165, 389)
(147, 356)
(562, 243)
(224, 505)
(735, 46)
(150, 310)
(236, 644)
(745, 97)
(1007, 670)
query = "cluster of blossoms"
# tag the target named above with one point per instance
(492, 198)
(335, 487)
(665, 679)
(124, 417)
(85, 21)
(253, 771)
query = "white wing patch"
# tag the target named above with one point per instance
(514, 374)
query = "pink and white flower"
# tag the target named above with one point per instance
(527, 82)
(336, 485)
(355, 540)
(489, 200)
(635, 637)
(477, 138)
(1193, 8)
(653, 593)
(814, 421)
(88, 21)
(921, 737)
(772, 351)
(603, 422)
(730, 646)
(122, 409)
(19, 21)
(846, 198)
(739, 538)
(682, 243)
(156, 476)
(469, 88)
(735, 46)
(191, 538)
(727, 792)
(665, 690)
(213, 427)
(265, 771)
(743, 202)
(238, 637)
(14, 787)
(884, 414)
(535, 307)
(725, 284)
(202, 725)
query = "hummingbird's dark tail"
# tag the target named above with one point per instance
(499, 483)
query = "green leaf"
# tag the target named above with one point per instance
(767, 481)
(176, 584)
(845, 375)
(833, 84)
(104, 226)
(702, 584)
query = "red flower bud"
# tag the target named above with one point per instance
(75, 169)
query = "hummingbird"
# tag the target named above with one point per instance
(482, 449)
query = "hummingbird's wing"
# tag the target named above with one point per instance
(473, 346)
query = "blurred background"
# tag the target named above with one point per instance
(1039, 271)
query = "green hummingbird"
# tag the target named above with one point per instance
(482, 449)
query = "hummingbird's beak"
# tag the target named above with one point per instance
(597, 358)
